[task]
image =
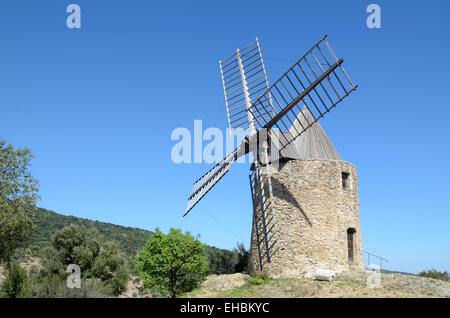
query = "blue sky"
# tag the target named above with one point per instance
(97, 107)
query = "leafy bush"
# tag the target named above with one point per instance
(111, 267)
(90, 288)
(79, 245)
(258, 281)
(43, 284)
(435, 274)
(14, 286)
(46, 284)
(259, 278)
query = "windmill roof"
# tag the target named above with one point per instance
(311, 144)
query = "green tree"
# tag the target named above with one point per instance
(51, 263)
(169, 261)
(242, 258)
(111, 267)
(18, 195)
(220, 261)
(77, 244)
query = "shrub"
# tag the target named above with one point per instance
(112, 268)
(435, 274)
(14, 285)
(258, 281)
(90, 288)
(49, 285)
(259, 278)
(77, 244)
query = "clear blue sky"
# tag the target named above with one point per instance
(97, 107)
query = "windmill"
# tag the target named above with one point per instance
(276, 116)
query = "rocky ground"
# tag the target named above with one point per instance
(351, 284)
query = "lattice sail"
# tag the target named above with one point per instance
(317, 81)
(210, 179)
(252, 79)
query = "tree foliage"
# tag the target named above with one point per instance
(14, 286)
(242, 258)
(111, 267)
(104, 268)
(172, 263)
(220, 261)
(18, 195)
(435, 274)
(75, 244)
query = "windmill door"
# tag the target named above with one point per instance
(350, 245)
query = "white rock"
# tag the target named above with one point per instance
(325, 274)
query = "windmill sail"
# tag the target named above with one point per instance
(210, 179)
(317, 81)
(242, 73)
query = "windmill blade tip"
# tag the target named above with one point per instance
(186, 212)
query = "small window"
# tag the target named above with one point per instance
(345, 180)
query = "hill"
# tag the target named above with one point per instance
(47, 222)
(130, 240)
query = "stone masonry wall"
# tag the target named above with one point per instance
(312, 214)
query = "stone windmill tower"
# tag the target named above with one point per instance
(305, 198)
(314, 222)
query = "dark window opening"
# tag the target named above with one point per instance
(345, 180)
(350, 244)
